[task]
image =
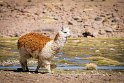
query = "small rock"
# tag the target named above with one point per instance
(29, 0)
(97, 51)
(98, 19)
(37, 80)
(105, 42)
(107, 29)
(70, 23)
(76, 18)
(112, 49)
(101, 32)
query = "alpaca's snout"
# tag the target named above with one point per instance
(69, 35)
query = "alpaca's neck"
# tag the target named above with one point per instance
(60, 40)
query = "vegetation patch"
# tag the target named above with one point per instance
(91, 66)
(96, 58)
(108, 62)
(104, 61)
(62, 62)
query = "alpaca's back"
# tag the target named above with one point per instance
(33, 41)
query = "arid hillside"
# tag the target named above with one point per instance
(86, 18)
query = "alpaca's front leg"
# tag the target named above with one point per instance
(47, 66)
(43, 64)
(37, 68)
(40, 64)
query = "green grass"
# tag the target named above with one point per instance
(104, 51)
(8, 38)
(108, 47)
(96, 58)
(8, 48)
(108, 62)
(63, 62)
(103, 61)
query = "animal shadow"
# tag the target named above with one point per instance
(21, 70)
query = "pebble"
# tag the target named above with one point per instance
(105, 42)
(37, 80)
(97, 51)
(112, 49)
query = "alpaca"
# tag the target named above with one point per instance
(40, 47)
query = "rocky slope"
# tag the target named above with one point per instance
(86, 18)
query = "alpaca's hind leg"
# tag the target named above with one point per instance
(24, 55)
(38, 66)
(23, 62)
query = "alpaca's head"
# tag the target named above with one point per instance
(65, 32)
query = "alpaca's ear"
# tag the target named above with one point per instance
(62, 28)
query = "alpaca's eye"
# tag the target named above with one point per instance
(65, 32)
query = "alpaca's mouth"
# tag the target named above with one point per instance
(69, 36)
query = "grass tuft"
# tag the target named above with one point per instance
(103, 61)
(108, 62)
(91, 66)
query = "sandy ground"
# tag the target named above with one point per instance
(92, 18)
(82, 77)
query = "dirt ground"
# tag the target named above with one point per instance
(82, 77)
(86, 18)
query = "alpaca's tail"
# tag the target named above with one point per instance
(18, 45)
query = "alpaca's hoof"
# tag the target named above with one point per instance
(19, 69)
(36, 72)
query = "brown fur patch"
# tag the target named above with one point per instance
(33, 41)
(56, 37)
